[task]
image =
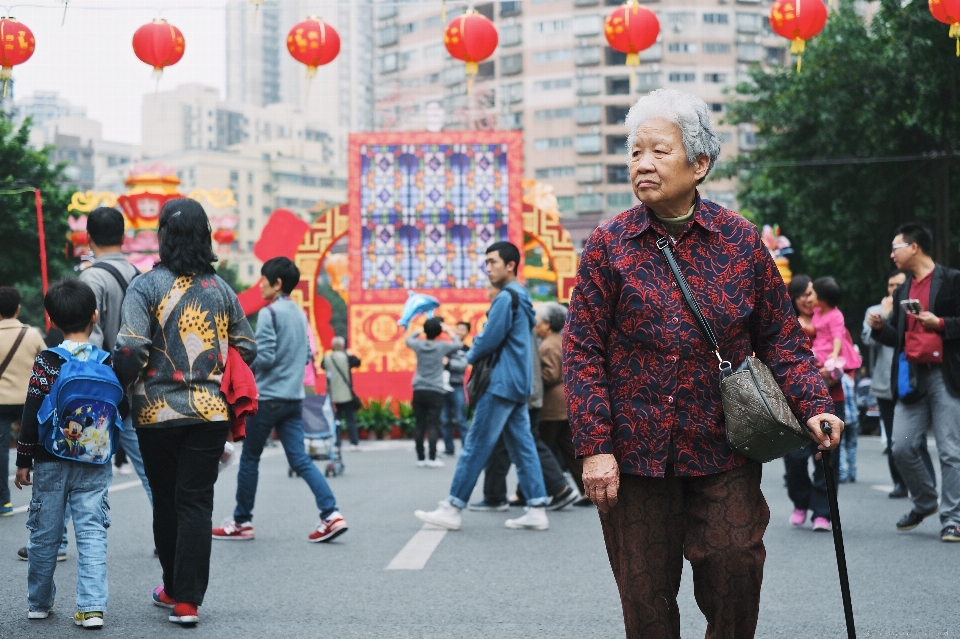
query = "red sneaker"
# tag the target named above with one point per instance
(328, 529)
(185, 613)
(232, 530)
(162, 599)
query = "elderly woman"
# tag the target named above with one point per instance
(643, 386)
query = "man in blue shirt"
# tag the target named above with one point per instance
(503, 406)
(282, 354)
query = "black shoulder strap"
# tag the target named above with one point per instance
(110, 268)
(664, 245)
(273, 317)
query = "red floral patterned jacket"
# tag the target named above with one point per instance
(638, 375)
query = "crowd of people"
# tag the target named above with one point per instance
(621, 390)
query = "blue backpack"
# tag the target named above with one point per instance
(79, 417)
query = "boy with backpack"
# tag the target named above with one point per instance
(67, 436)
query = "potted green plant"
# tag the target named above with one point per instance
(406, 421)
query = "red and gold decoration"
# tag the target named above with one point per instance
(159, 44)
(798, 21)
(18, 45)
(631, 29)
(314, 43)
(471, 38)
(948, 12)
(149, 188)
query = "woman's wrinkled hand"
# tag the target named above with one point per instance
(601, 480)
(823, 441)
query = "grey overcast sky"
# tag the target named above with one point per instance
(90, 60)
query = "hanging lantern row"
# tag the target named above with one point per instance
(16, 46)
(631, 29)
(798, 21)
(948, 12)
(159, 44)
(313, 43)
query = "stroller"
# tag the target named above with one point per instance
(321, 430)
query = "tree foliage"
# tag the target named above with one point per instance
(22, 166)
(888, 91)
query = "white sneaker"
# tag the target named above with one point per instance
(126, 469)
(435, 463)
(422, 463)
(447, 516)
(38, 614)
(535, 519)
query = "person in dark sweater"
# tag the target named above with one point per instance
(60, 483)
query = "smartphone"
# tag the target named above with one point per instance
(911, 306)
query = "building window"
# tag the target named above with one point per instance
(249, 223)
(726, 137)
(589, 84)
(431, 78)
(616, 144)
(511, 121)
(250, 270)
(749, 22)
(387, 36)
(249, 247)
(511, 35)
(565, 203)
(553, 114)
(746, 139)
(545, 144)
(590, 203)
(715, 78)
(249, 200)
(511, 64)
(619, 201)
(586, 26)
(716, 107)
(410, 27)
(716, 48)
(680, 19)
(388, 63)
(682, 77)
(266, 210)
(486, 70)
(648, 81)
(589, 173)
(750, 52)
(553, 172)
(616, 114)
(552, 85)
(508, 9)
(682, 47)
(618, 174)
(587, 56)
(234, 176)
(432, 23)
(433, 51)
(716, 18)
(249, 177)
(614, 58)
(588, 114)
(552, 26)
(512, 93)
(553, 55)
(618, 85)
(588, 144)
(775, 56)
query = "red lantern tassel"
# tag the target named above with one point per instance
(796, 48)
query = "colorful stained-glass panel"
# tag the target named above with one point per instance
(428, 213)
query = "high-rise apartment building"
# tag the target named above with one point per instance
(260, 71)
(554, 76)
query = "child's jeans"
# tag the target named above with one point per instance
(848, 452)
(57, 484)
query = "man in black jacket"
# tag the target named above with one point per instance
(925, 333)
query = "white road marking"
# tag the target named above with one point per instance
(417, 552)
(884, 488)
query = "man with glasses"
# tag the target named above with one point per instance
(924, 329)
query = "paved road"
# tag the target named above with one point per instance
(485, 580)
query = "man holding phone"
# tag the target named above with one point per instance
(924, 330)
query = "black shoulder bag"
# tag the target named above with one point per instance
(482, 370)
(760, 424)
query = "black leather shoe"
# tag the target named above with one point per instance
(899, 492)
(950, 533)
(912, 519)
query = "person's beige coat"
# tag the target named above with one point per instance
(13, 384)
(554, 406)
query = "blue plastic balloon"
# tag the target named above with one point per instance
(417, 304)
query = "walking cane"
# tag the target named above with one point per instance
(838, 534)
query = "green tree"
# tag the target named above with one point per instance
(21, 166)
(885, 94)
(231, 276)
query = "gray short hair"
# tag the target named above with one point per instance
(338, 343)
(554, 314)
(687, 111)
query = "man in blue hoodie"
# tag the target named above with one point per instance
(503, 406)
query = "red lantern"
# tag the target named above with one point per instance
(78, 238)
(630, 29)
(224, 236)
(471, 38)
(314, 43)
(948, 12)
(18, 45)
(798, 21)
(159, 44)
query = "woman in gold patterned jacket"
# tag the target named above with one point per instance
(176, 325)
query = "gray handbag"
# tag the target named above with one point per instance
(760, 424)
